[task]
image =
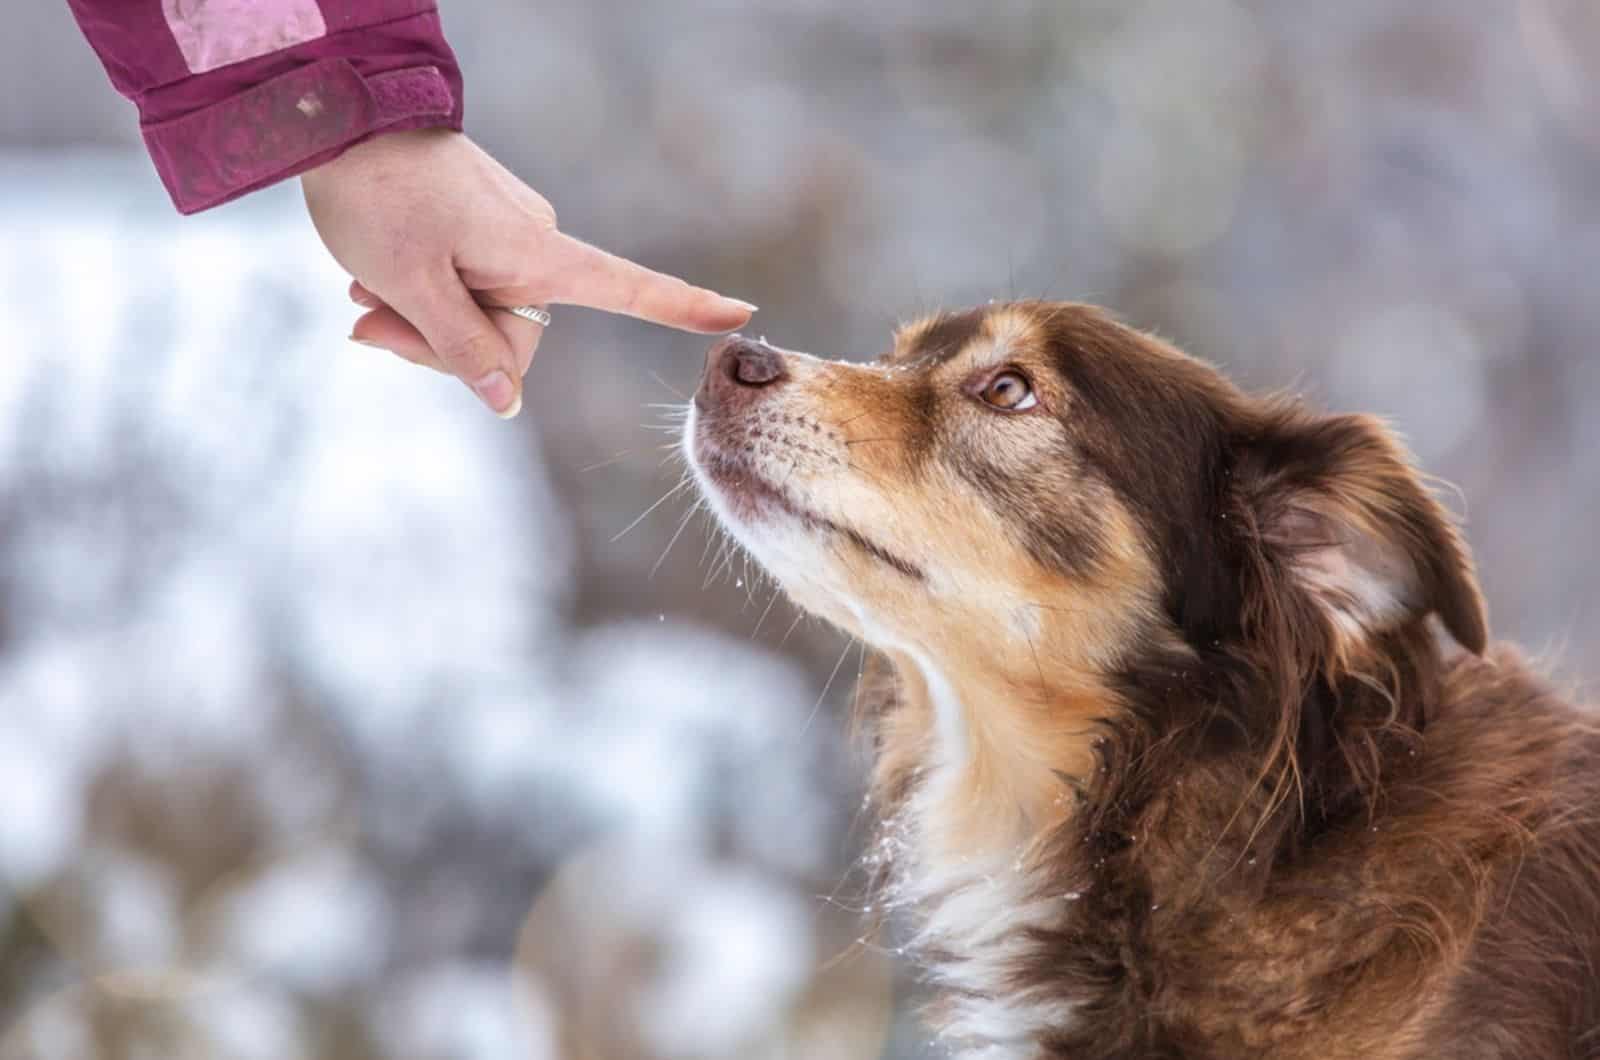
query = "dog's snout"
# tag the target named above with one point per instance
(744, 363)
(755, 365)
(736, 368)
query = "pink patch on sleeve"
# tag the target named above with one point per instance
(213, 33)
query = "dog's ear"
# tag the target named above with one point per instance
(1338, 514)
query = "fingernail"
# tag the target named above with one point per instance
(744, 305)
(496, 391)
(367, 342)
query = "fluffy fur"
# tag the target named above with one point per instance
(1188, 737)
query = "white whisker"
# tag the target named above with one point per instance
(669, 387)
(695, 507)
(683, 482)
(848, 644)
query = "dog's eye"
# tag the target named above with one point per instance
(1009, 391)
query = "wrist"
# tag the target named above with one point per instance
(373, 151)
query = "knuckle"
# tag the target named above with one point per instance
(540, 210)
(536, 237)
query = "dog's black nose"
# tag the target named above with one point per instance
(736, 369)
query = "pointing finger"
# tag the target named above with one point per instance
(581, 274)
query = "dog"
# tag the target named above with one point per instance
(1188, 738)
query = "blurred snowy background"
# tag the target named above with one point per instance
(333, 721)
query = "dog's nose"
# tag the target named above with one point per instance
(737, 368)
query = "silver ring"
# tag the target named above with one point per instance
(539, 316)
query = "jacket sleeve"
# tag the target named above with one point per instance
(237, 94)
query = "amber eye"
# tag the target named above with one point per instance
(1009, 391)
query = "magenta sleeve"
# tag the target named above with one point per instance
(237, 94)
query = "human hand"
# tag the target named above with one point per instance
(434, 231)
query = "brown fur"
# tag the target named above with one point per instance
(1191, 640)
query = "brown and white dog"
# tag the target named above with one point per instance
(1169, 760)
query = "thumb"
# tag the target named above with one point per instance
(464, 339)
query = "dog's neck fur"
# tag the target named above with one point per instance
(1052, 930)
(955, 855)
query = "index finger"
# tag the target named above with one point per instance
(581, 274)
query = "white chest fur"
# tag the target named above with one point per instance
(970, 912)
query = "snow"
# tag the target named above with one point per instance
(316, 922)
(718, 989)
(723, 975)
(464, 1010)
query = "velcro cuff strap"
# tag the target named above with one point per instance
(279, 127)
